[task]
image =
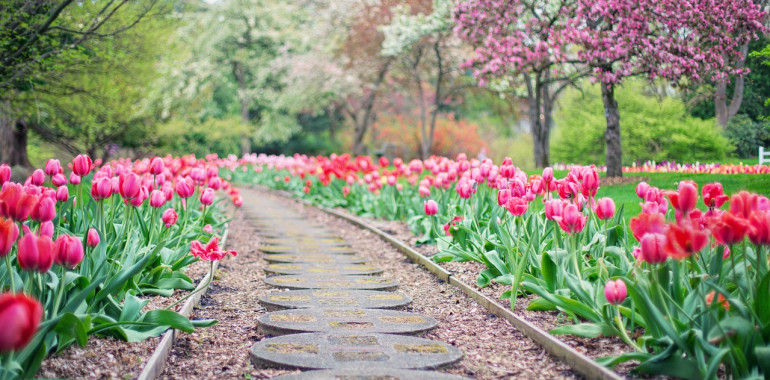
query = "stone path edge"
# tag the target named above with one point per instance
(560, 350)
(157, 362)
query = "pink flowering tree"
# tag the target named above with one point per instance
(522, 40)
(671, 39)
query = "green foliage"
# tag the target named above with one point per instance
(748, 135)
(219, 136)
(651, 129)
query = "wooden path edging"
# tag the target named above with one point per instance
(157, 362)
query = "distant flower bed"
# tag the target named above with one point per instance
(674, 167)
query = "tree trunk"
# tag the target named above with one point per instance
(13, 138)
(362, 124)
(537, 126)
(723, 111)
(612, 134)
(437, 99)
(543, 139)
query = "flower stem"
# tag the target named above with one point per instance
(10, 272)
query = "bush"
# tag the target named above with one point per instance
(747, 135)
(651, 128)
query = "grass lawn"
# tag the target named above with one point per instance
(625, 195)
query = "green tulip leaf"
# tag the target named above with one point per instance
(585, 330)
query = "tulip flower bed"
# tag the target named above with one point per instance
(83, 252)
(683, 283)
(692, 168)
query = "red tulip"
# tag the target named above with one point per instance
(653, 251)
(52, 167)
(156, 166)
(5, 174)
(169, 217)
(728, 229)
(237, 201)
(615, 291)
(517, 206)
(9, 232)
(759, 228)
(605, 208)
(92, 239)
(207, 197)
(68, 251)
(647, 223)
(35, 252)
(572, 220)
(157, 199)
(345, 191)
(129, 185)
(37, 178)
(101, 188)
(384, 162)
(210, 251)
(682, 240)
(20, 316)
(82, 165)
(713, 195)
(15, 203)
(431, 207)
(45, 210)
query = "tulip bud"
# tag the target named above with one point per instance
(92, 240)
(208, 229)
(615, 291)
(548, 174)
(156, 166)
(20, 316)
(207, 197)
(68, 251)
(431, 207)
(9, 232)
(52, 167)
(62, 194)
(169, 217)
(82, 165)
(35, 252)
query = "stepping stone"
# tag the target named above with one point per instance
(346, 350)
(332, 282)
(320, 258)
(370, 374)
(353, 320)
(313, 268)
(280, 249)
(305, 241)
(368, 299)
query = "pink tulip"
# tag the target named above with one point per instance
(185, 187)
(101, 188)
(5, 174)
(208, 229)
(641, 189)
(431, 207)
(572, 220)
(74, 178)
(59, 180)
(52, 167)
(157, 199)
(653, 248)
(82, 165)
(38, 177)
(16, 203)
(35, 252)
(9, 232)
(156, 166)
(548, 174)
(46, 229)
(169, 217)
(62, 194)
(68, 251)
(517, 206)
(129, 185)
(503, 196)
(45, 210)
(605, 208)
(92, 240)
(207, 197)
(554, 208)
(615, 291)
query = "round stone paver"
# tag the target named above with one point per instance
(346, 350)
(278, 249)
(318, 298)
(370, 374)
(332, 282)
(302, 241)
(313, 268)
(319, 258)
(354, 320)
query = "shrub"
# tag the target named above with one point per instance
(748, 135)
(651, 128)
